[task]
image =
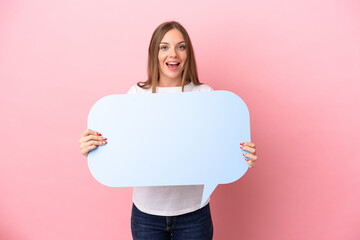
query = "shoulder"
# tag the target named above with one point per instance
(198, 88)
(135, 89)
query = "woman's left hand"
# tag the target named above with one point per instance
(251, 149)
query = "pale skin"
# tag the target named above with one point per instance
(89, 140)
(172, 49)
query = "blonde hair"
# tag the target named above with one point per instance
(189, 73)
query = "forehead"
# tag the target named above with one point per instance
(173, 36)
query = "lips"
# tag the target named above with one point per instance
(172, 65)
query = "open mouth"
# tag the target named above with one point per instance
(172, 65)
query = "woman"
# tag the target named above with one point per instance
(168, 212)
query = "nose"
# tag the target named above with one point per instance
(173, 53)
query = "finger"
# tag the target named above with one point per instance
(251, 164)
(89, 137)
(252, 157)
(90, 132)
(95, 142)
(85, 133)
(249, 149)
(88, 149)
(249, 144)
(92, 137)
(86, 145)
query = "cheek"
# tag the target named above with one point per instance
(184, 57)
(161, 57)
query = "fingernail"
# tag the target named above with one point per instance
(244, 154)
(242, 143)
(104, 142)
(241, 147)
(96, 145)
(104, 138)
(99, 134)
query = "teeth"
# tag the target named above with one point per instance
(173, 63)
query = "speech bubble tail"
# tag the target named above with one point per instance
(208, 189)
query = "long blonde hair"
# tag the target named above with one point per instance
(189, 73)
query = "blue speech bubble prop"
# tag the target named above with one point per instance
(188, 138)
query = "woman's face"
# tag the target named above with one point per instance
(172, 56)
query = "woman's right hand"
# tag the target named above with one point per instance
(90, 140)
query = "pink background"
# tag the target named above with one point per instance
(295, 63)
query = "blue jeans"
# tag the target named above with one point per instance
(195, 225)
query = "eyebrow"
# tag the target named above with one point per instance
(168, 43)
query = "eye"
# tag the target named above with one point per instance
(163, 47)
(182, 47)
